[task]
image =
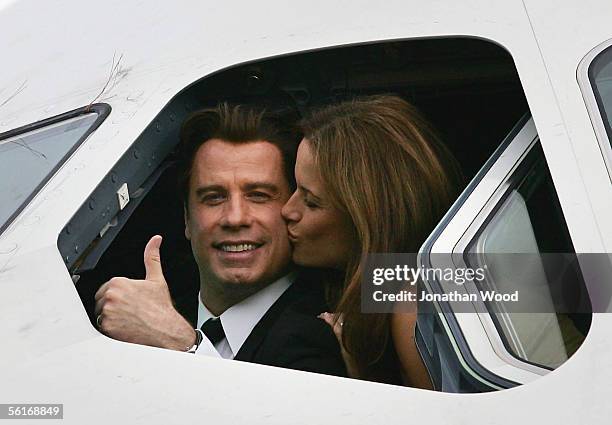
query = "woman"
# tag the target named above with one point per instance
(372, 178)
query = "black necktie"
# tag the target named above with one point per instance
(213, 330)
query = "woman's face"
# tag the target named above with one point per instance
(321, 234)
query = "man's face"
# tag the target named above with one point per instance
(233, 218)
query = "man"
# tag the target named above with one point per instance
(237, 174)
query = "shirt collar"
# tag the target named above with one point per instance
(239, 320)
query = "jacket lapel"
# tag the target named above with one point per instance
(260, 331)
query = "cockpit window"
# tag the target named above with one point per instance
(600, 75)
(28, 158)
(530, 221)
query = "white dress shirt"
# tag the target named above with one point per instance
(239, 320)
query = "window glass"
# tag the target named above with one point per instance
(530, 220)
(28, 158)
(600, 75)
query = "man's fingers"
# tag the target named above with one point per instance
(99, 305)
(152, 259)
(101, 290)
(106, 286)
(101, 298)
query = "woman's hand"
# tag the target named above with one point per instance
(336, 322)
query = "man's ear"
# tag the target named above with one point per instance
(186, 218)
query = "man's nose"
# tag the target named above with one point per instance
(236, 213)
(289, 210)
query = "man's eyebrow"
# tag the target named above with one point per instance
(210, 188)
(261, 185)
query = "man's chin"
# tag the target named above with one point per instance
(242, 281)
(241, 286)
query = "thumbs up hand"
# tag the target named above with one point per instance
(152, 261)
(141, 311)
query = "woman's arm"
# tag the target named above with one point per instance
(413, 369)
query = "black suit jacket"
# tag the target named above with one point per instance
(291, 335)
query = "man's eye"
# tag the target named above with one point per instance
(212, 199)
(259, 196)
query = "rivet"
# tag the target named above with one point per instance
(92, 204)
(253, 80)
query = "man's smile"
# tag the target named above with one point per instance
(242, 251)
(237, 246)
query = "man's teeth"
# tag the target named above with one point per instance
(238, 248)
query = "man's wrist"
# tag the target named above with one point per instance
(186, 340)
(181, 337)
(197, 342)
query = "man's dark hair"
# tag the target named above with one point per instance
(238, 124)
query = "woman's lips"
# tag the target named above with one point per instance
(292, 237)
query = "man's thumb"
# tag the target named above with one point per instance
(152, 259)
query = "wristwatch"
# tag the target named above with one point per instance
(198, 341)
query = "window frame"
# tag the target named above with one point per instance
(470, 238)
(593, 103)
(100, 218)
(476, 340)
(86, 225)
(101, 109)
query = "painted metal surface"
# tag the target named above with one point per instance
(136, 56)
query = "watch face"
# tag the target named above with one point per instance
(198, 341)
(199, 337)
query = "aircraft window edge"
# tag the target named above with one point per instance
(489, 210)
(101, 109)
(451, 322)
(92, 228)
(470, 238)
(468, 360)
(593, 101)
(428, 244)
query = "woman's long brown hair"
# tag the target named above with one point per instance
(384, 166)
